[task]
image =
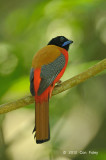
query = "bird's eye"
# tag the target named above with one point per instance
(61, 39)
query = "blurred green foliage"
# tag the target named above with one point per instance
(25, 27)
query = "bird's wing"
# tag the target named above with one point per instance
(49, 72)
(31, 82)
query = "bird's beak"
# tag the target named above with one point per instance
(67, 42)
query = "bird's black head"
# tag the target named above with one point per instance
(61, 41)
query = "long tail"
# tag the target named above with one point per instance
(42, 121)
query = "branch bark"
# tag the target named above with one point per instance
(92, 71)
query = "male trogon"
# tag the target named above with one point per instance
(48, 66)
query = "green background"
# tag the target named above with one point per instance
(77, 116)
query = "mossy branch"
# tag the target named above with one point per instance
(92, 71)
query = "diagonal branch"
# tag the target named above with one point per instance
(92, 71)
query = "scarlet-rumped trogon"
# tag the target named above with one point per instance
(48, 66)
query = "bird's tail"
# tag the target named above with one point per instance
(42, 121)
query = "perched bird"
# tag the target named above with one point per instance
(48, 66)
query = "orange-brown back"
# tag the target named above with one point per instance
(45, 56)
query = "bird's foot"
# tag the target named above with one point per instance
(59, 82)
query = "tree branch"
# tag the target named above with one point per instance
(92, 71)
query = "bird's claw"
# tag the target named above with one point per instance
(59, 82)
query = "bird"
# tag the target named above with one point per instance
(48, 66)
